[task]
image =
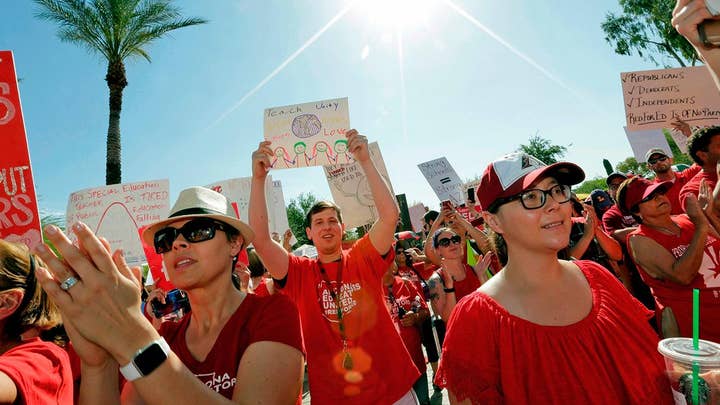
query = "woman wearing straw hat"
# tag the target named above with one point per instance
(229, 347)
(675, 253)
(543, 329)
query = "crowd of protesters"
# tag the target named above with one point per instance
(535, 297)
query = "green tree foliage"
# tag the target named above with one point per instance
(631, 165)
(644, 28)
(115, 29)
(589, 185)
(543, 149)
(296, 212)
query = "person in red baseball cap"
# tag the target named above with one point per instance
(563, 331)
(675, 253)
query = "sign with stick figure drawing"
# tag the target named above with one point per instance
(309, 134)
(351, 192)
(116, 213)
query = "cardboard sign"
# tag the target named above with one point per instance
(643, 141)
(444, 181)
(654, 97)
(19, 216)
(310, 134)
(237, 191)
(277, 211)
(116, 213)
(417, 212)
(351, 192)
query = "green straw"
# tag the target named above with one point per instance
(696, 344)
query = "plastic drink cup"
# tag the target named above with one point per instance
(680, 356)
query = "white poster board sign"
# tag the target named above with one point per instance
(417, 212)
(654, 97)
(116, 212)
(444, 181)
(277, 211)
(351, 192)
(643, 141)
(237, 191)
(309, 134)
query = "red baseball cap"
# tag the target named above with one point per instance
(514, 173)
(640, 189)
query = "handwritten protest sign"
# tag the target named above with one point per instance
(116, 212)
(643, 141)
(310, 134)
(351, 192)
(654, 97)
(19, 217)
(444, 181)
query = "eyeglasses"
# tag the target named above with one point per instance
(535, 198)
(657, 159)
(194, 231)
(445, 242)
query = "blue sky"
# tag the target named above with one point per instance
(465, 95)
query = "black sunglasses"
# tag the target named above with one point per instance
(445, 242)
(194, 231)
(657, 159)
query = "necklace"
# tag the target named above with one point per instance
(335, 294)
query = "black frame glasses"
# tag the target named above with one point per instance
(445, 242)
(194, 231)
(657, 159)
(536, 198)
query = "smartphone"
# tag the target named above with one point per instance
(446, 205)
(175, 307)
(471, 195)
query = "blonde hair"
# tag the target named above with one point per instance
(17, 270)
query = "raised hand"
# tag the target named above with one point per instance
(358, 145)
(681, 126)
(686, 17)
(261, 162)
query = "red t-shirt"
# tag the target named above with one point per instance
(681, 178)
(425, 271)
(609, 357)
(406, 296)
(382, 369)
(613, 220)
(465, 286)
(273, 318)
(41, 372)
(693, 186)
(261, 290)
(679, 297)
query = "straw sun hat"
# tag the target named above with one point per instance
(201, 202)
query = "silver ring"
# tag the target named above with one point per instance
(68, 282)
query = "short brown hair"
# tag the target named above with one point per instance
(322, 206)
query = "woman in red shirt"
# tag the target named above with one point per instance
(544, 330)
(33, 368)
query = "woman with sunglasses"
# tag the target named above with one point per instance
(455, 278)
(544, 330)
(34, 369)
(675, 254)
(232, 346)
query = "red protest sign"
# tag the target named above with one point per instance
(19, 218)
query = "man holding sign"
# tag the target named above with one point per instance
(355, 355)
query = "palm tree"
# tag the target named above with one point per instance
(116, 29)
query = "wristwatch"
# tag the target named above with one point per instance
(146, 360)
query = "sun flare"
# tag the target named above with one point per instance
(398, 13)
